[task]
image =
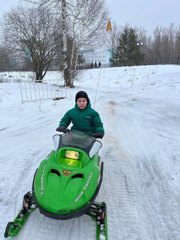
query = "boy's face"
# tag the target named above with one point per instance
(82, 103)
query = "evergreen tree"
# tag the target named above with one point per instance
(128, 52)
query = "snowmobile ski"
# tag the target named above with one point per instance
(13, 228)
(98, 214)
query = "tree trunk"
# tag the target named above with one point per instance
(65, 58)
(67, 78)
(39, 76)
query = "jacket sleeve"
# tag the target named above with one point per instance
(98, 125)
(65, 120)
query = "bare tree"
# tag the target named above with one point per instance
(177, 46)
(87, 22)
(145, 43)
(164, 44)
(4, 59)
(34, 32)
(113, 40)
(84, 22)
(157, 44)
(167, 44)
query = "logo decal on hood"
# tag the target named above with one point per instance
(66, 172)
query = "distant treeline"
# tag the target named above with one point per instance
(133, 47)
(129, 46)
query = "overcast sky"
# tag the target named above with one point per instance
(144, 13)
(140, 13)
(6, 5)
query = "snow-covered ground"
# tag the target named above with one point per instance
(140, 108)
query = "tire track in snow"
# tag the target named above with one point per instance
(122, 195)
(162, 205)
(156, 200)
(122, 204)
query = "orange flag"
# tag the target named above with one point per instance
(109, 26)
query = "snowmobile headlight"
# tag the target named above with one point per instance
(72, 154)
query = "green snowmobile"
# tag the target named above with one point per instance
(66, 184)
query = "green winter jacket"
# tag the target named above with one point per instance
(86, 120)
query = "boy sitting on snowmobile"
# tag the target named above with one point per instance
(83, 118)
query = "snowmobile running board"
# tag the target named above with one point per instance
(97, 212)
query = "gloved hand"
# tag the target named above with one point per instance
(61, 129)
(98, 135)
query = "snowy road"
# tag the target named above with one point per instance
(144, 203)
(140, 152)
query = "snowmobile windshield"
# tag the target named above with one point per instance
(76, 139)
